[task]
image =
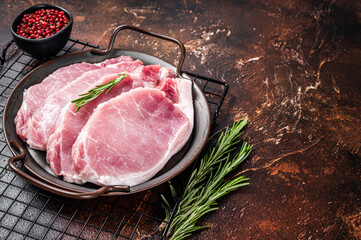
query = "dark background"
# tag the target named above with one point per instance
(294, 69)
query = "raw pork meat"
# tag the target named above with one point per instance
(130, 138)
(43, 123)
(70, 123)
(123, 137)
(34, 97)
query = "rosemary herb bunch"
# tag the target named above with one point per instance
(207, 183)
(95, 92)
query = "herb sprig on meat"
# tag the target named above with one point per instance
(95, 92)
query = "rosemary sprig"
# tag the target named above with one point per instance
(206, 183)
(95, 92)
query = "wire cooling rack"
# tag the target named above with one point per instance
(27, 212)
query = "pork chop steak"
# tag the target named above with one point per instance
(130, 138)
(34, 97)
(43, 123)
(70, 123)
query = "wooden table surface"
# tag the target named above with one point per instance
(294, 69)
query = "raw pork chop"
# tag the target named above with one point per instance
(70, 123)
(34, 97)
(43, 123)
(128, 139)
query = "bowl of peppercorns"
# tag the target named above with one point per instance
(42, 30)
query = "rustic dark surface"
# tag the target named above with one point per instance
(294, 69)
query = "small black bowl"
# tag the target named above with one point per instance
(44, 47)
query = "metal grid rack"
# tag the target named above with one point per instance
(27, 212)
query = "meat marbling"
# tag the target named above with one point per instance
(123, 137)
(43, 123)
(70, 123)
(34, 97)
(130, 138)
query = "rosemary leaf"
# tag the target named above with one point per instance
(207, 183)
(95, 92)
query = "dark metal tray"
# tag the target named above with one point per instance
(35, 161)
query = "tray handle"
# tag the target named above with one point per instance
(54, 189)
(164, 37)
